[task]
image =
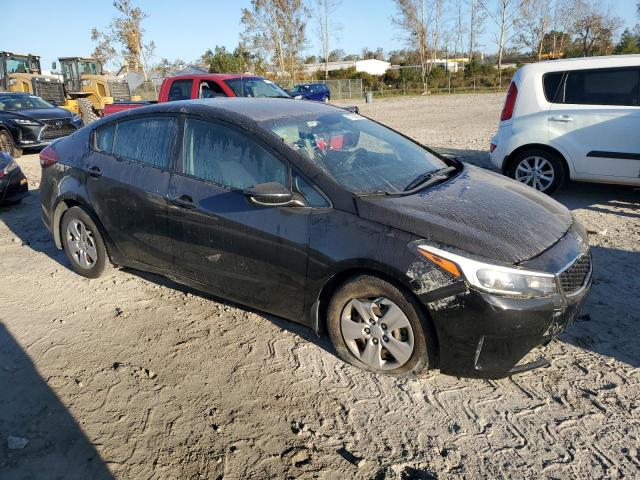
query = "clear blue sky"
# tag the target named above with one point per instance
(186, 28)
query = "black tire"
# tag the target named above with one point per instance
(554, 161)
(7, 145)
(87, 112)
(95, 268)
(368, 287)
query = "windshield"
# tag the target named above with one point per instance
(21, 65)
(363, 156)
(87, 67)
(255, 87)
(22, 102)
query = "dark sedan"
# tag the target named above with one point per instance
(27, 121)
(311, 91)
(13, 183)
(407, 259)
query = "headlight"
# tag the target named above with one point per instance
(492, 278)
(86, 83)
(76, 118)
(298, 97)
(12, 82)
(25, 121)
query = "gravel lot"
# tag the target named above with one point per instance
(132, 376)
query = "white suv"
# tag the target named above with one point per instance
(577, 119)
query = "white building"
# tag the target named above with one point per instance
(370, 66)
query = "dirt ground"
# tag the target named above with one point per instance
(131, 376)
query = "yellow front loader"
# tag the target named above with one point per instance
(87, 89)
(22, 73)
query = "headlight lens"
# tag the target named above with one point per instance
(76, 118)
(25, 121)
(492, 278)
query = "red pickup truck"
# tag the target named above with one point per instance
(186, 87)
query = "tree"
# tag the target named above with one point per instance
(125, 31)
(167, 68)
(629, 43)
(336, 55)
(220, 60)
(377, 54)
(533, 23)
(476, 20)
(414, 18)
(276, 29)
(594, 28)
(504, 16)
(324, 13)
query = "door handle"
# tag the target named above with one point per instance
(95, 172)
(183, 201)
(562, 118)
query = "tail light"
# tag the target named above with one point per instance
(11, 166)
(48, 157)
(509, 103)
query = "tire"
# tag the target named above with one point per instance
(325, 99)
(75, 223)
(353, 343)
(87, 112)
(549, 165)
(7, 145)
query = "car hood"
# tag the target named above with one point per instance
(478, 212)
(44, 113)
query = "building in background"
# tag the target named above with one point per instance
(370, 66)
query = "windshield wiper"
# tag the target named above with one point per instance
(428, 178)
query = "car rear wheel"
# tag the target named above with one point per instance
(83, 243)
(7, 145)
(375, 326)
(540, 169)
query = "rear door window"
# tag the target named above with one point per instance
(147, 140)
(180, 90)
(551, 84)
(607, 86)
(225, 156)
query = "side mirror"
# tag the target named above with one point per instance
(271, 194)
(54, 66)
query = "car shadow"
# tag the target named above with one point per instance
(610, 321)
(30, 412)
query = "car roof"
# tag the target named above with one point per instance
(219, 76)
(241, 109)
(583, 63)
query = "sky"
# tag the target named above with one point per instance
(186, 28)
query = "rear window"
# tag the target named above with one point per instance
(180, 90)
(551, 84)
(603, 87)
(147, 140)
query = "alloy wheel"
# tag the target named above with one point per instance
(81, 244)
(537, 172)
(377, 332)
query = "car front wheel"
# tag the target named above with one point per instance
(540, 169)
(375, 326)
(83, 243)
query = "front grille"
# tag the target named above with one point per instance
(55, 129)
(119, 91)
(574, 277)
(50, 90)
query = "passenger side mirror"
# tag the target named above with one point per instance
(272, 194)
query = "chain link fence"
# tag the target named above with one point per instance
(340, 89)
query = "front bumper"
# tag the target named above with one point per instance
(13, 187)
(35, 136)
(485, 336)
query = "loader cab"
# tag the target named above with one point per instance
(22, 73)
(75, 68)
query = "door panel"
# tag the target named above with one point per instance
(584, 130)
(252, 254)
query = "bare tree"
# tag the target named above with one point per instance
(594, 27)
(325, 12)
(276, 29)
(476, 21)
(532, 24)
(503, 16)
(125, 31)
(414, 18)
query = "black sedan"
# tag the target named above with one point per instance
(407, 259)
(13, 183)
(27, 121)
